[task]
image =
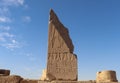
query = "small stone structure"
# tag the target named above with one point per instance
(4, 72)
(106, 76)
(44, 77)
(10, 79)
(5, 77)
(61, 62)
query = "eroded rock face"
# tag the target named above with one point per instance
(106, 76)
(10, 79)
(61, 62)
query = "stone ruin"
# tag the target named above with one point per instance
(4, 72)
(44, 75)
(61, 61)
(5, 77)
(106, 76)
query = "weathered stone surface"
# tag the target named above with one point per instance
(10, 79)
(59, 40)
(61, 62)
(29, 81)
(4, 72)
(106, 76)
(43, 77)
(69, 81)
(39, 81)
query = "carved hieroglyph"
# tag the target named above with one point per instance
(61, 62)
(106, 76)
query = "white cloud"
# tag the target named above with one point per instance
(26, 18)
(12, 2)
(4, 28)
(14, 41)
(12, 45)
(4, 19)
(4, 11)
(21, 2)
(7, 39)
(6, 34)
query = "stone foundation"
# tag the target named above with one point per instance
(29, 81)
(18, 79)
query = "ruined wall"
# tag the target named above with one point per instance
(61, 62)
(10, 79)
(106, 76)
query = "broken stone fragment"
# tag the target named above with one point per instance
(4, 72)
(44, 76)
(10, 79)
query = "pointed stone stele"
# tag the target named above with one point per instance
(61, 62)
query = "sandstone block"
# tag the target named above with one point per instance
(29, 81)
(4, 72)
(10, 79)
(106, 76)
(44, 76)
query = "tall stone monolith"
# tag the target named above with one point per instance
(61, 62)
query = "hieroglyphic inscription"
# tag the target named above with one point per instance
(61, 62)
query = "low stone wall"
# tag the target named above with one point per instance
(18, 79)
(10, 79)
(38, 81)
(58, 82)
(74, 82)
(29, 81)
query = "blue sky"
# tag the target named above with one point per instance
(94, 27)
